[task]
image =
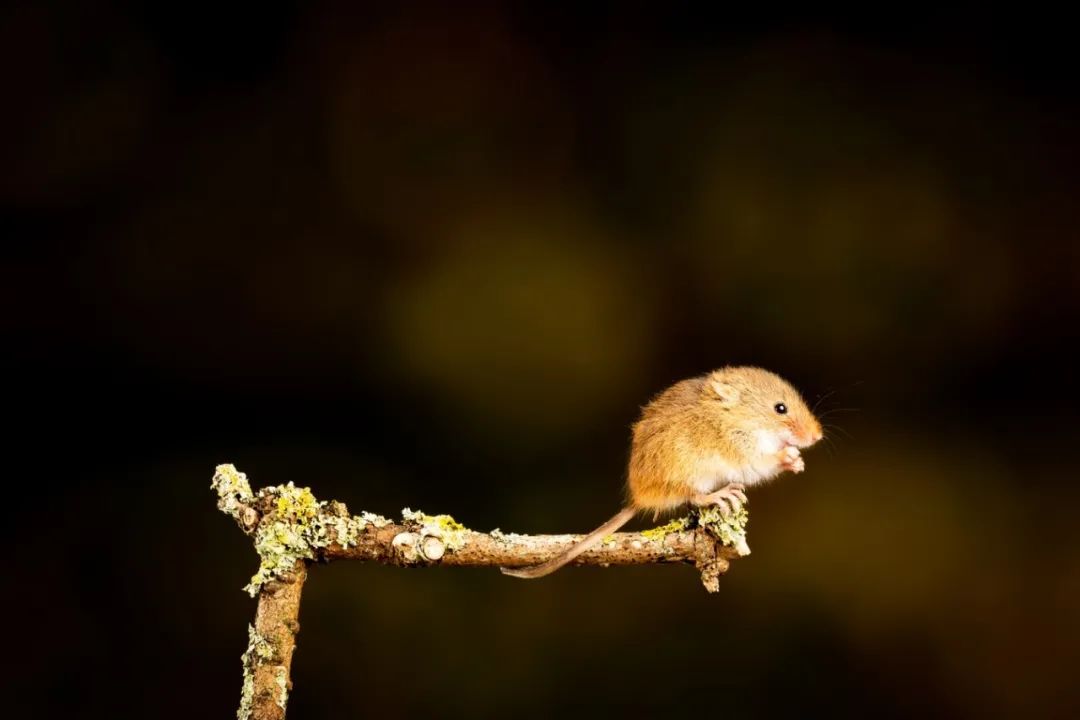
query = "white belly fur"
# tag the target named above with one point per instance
(713, 472)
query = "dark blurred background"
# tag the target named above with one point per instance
(437, 257)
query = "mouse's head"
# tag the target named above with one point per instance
(767, 404)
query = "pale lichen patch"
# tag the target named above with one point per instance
(247, 695)
(445, 528)
(728, 529)
(259, 651)
(505, 537)
(233, 489)
(371, 518)
(347, 529)
(281, 678)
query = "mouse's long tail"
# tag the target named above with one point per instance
(584, 544)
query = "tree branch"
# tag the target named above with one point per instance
(292, 529)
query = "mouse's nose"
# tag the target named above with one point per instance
(815, 432)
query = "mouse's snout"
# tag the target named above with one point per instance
(811, 432)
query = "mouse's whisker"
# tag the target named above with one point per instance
(832, 430)
(840, 409)
(829, 445)
(835, 411)
(822, 399)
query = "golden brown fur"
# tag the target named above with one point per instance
(701, 441)
(690, 421)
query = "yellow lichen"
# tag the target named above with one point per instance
(659, 533)
(295, 525)
(295, 529)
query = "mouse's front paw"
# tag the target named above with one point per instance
(791, 459)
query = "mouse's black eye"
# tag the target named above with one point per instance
(780, 408)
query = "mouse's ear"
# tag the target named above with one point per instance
(728, 393)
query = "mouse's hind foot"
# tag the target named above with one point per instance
(729, 498)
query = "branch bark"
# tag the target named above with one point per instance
(292, 529)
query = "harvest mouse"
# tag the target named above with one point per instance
(702, 442)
